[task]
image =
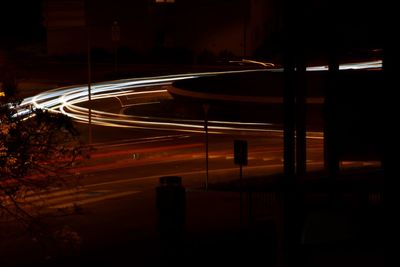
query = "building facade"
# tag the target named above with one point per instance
(235, 28)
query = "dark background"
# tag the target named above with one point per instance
(21, 22)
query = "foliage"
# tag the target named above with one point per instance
(36, 151)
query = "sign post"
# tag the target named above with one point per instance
(206, 108)
(240, 154)
(240, 158)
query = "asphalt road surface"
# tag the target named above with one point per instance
(115, 193)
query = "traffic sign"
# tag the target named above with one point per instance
(240, 152)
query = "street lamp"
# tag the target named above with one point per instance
(206, 108)
(89, 71)
(115, 37)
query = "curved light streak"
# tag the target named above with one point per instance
(66, 100)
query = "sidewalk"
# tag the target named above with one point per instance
(212, 236)
(124, 233)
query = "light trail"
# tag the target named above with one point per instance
(69, 100)
(375, 64)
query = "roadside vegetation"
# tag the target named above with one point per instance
(37, 150)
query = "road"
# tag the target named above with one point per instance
(115, 186)
(115, 193)
(131, 151)
(142, 161)
(125, 167)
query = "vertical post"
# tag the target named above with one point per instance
(287, 259)
(240, 158)
(206, 126)
(89, 72)
(331, 152)
(115, 58)
(331, 157)
(294, 130)
(115, 38)
(289, 116)
(246, 16)
(390, 144)
(206, 108)
(241, 193)
(244, 32)
(301, 109)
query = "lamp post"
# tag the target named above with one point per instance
(89, 72)
(206, 108)
(115, 37)
(246, 16)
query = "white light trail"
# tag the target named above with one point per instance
(67, 99)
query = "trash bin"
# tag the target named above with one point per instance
(171, 207)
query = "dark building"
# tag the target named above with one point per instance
(236, 28)
(65, 22)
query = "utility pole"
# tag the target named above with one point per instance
(246, 16)
(206, 108)
(89, 71)
(115, 37)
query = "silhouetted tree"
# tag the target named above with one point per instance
(36, 149)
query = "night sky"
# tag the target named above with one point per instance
(21, 22)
